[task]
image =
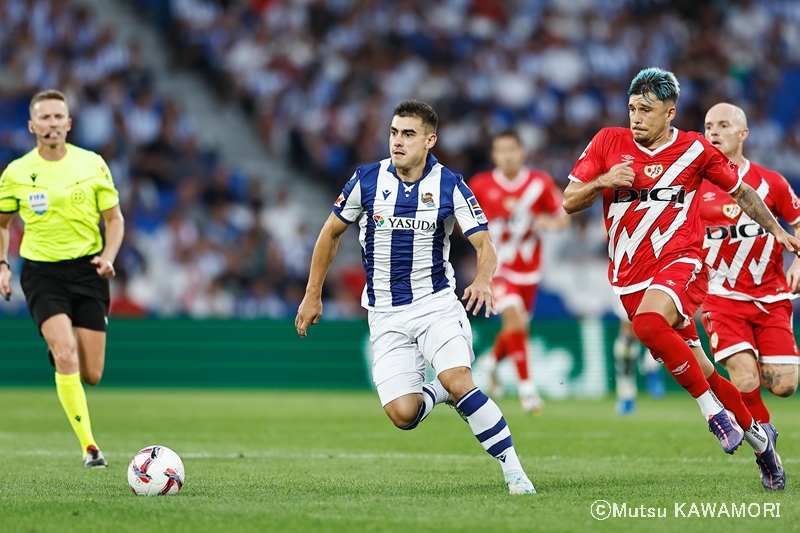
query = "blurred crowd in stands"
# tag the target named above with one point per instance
(320, 77)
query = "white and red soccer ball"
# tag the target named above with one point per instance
(156, 471)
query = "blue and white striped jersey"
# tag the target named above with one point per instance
(405, 230)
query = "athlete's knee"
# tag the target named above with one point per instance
(779, 379)
(649, 326)
(743, 371)
(64, 349)
(783, 389)
(403, 411)
(784, 392)
(745, 381)
(92, 377)
(457, 381)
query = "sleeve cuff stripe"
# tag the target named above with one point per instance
(342, 218)
(476, 228)
(738, 183)
(573, 178)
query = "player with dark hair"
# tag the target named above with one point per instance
(519, 202)
(649, 176)
(60, 192)
(406, 207)
(748, 312)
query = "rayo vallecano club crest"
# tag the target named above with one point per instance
(427, 199)
(653, 171)
(731, 210)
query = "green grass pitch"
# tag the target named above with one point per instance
(332, 462)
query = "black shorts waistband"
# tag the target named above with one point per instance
(66, 262)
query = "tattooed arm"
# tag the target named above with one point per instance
(793, 274)
(752, 204)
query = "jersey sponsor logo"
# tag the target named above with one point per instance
(427, 199)
(742, 231)
(728, 270)
(731, 210)
(624, 241)
(77, 196)
(38, 202)
(393, 223)
(338, 202)
(675, 194)
(476, 210)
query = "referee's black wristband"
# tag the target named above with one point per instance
(4, 262)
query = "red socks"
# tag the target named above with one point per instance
(727, 393)
(515, 344)
(756, 405)
(664, 343)
(499, 348)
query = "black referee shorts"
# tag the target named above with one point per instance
(71, 287)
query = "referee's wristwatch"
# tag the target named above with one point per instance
(4, 262)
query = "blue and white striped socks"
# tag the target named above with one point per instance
(490, 428)
(432, 394)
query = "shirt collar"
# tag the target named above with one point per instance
(430, 162)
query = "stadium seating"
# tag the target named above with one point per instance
(320, 79)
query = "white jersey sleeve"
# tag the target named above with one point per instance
(467, 210)
(348, 206)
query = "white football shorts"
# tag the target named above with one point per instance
(403, 340)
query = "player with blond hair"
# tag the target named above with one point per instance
(61, 191)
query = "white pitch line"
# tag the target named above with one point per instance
(404, 456)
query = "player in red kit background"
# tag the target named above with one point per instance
(649, 177)
(518, 201)
(748, 312)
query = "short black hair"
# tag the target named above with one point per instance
(514, 134)
(420, 110)
(662, 83)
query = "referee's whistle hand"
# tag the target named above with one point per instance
(5, 282)
(105, 268)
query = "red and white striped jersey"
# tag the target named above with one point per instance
(511, 207)
(656, 220)
(747, 260)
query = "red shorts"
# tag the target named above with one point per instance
(685, 280)
(763, 328)
(507, 294)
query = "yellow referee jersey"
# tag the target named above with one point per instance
(59, 201)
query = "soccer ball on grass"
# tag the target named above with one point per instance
(156, 471)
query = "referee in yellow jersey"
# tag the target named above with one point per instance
(60, 191)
